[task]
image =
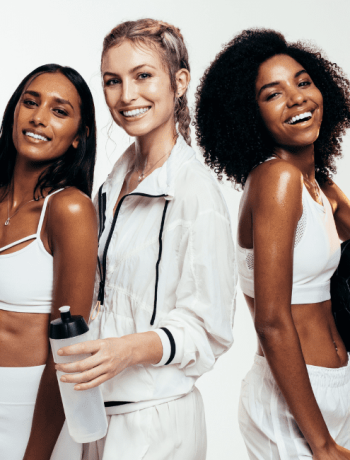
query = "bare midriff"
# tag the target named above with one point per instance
(320, 341)
(23, 339)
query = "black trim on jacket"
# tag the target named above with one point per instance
(103, 266)
(172, 344)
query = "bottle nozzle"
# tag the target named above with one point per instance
(65, 313)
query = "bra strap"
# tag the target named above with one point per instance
(42, 215)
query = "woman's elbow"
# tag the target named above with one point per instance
(273, 331)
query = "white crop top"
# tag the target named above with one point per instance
(26, 276)
(316, 254)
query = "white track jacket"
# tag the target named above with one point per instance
(169, 267)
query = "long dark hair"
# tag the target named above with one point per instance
(73, 168)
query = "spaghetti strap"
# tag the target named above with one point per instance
(22, 240)
(42, 215)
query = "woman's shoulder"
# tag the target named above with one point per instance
(271, 175)
(197, 188)
(69, 203)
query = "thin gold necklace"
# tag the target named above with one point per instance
(7, 222)
(315, 187)
(145, 173)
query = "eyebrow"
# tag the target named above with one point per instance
(138, 67)
(57, 99)
(275, 83)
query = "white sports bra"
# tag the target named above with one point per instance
(26, 276)
(316, 254)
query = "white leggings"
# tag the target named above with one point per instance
(267, 425)
(18, 391)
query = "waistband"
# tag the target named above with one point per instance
(320, 376)
(124, 407)
(19, 385)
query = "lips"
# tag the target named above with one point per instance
(36, 135)
(134, 112)
(305, 116)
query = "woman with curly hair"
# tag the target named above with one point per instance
(265, 99)
(164, 290)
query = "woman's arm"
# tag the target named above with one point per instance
(72, 237)
(277, 207)
(341, 208)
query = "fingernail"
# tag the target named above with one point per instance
(60, 352)
(77, 387)
(63, 379)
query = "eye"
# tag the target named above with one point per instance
(271, 96)
(304, 83)
(112, 82)
(61, 112)
(143, 76)
(29, 102)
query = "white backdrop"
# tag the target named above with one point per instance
(70, 32)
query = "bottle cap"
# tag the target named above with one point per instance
(67, 326)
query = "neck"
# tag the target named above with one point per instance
(25, 178)
(303, 159)
(154, 145)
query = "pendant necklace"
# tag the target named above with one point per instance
(145, 173)
(7, 222)
(315, 187)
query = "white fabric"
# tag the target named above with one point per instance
(197, 274)
(26, 276)
(170, 431)
(18, 390)
(166, 347)
(316, 254)
(66, 448)
(267, 425)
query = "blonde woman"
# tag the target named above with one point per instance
(166, 282)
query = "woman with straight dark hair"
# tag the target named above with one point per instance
(271, 116)
(48, 246)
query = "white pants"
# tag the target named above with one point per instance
(267, 425)
(171, 431)
(18, 390)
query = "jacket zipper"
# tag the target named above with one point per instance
(103, 267)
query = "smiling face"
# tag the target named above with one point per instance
(290, 104)
(137, 89)
(46, 118)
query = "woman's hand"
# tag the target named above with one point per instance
(109, 357)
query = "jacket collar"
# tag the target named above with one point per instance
(160, 182)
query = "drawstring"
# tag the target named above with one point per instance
(157, 264)
(102, 200)
(95, 311)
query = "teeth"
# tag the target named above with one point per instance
(299, 117)
(36, 136)
(134, 113)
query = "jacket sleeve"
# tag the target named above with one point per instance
(199, 329)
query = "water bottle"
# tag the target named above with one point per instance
(84, 410)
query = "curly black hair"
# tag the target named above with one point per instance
(229, 128)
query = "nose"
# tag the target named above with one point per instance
(40, 116)
(295, 96)
(129, 92)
